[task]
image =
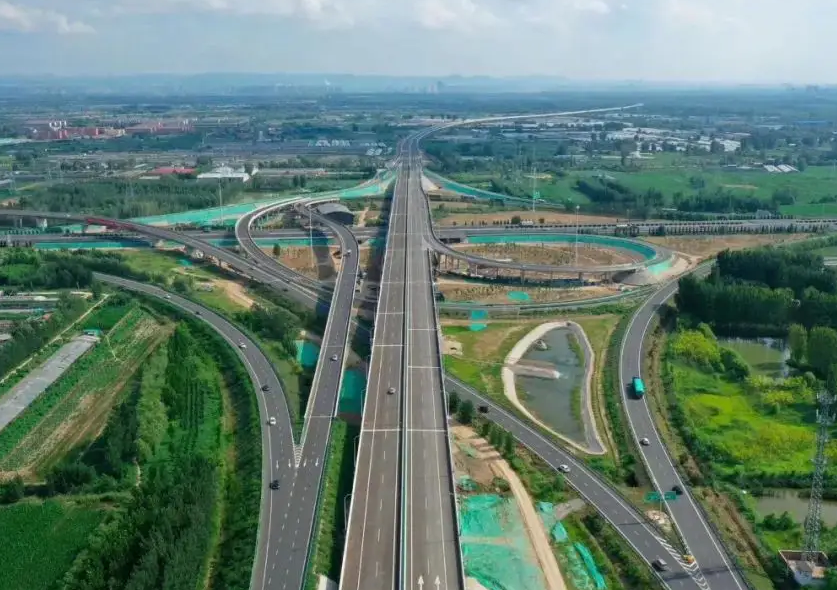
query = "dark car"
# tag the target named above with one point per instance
(265, 387)
(677, 490)
(660, 565)
(274, 485)
(483, 409)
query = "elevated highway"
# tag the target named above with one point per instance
(372, 557)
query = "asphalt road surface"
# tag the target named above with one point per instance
(430, 533)
(717, 571)
(640, 534)
(371, 560)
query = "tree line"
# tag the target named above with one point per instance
(762, 292)
(123, 199)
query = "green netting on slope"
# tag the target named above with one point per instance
(597, 577)
(518, 296)
(479, 314)
(546, 511)
(559, 533)
(352, 392)
(307, 352)
(466, 484)
(495, 546)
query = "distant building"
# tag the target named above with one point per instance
(226, 173)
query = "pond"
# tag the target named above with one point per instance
(788, 500)
(551, 400)
(766, 356)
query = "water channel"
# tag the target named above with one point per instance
(787, 500)
(551, 400)
(766, 356)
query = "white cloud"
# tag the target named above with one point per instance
(30, 20)
(459, 15)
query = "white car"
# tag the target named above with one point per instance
(272, 421)
(334, 357)
(168, 296)
(644, 442)
(564, 468)
(242, 346)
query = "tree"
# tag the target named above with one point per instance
(12, 490)
(798, 342)
(277, 250)
(822, 349)
(466, 412)
(508, 444)
(453, 402)
(515, 220)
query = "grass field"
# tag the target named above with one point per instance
(40, 541)
(673, 174)
(744, 434)
(483, 352)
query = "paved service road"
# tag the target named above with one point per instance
(716, 568)
(431, 552)
(371, 559)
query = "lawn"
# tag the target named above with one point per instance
(744, 435)
(41, 540)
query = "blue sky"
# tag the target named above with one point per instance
(665, 40)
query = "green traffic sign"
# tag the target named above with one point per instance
(536, 195)
(658, 497)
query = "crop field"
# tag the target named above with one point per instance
(40, 541)
(743, 434)
(74, 408)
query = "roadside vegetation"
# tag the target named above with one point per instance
(330, 534)
(170, 451)
(742, 420)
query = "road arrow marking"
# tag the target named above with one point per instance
(437, 582)
(317, 462)
(420, 582)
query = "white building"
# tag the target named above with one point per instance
(227, 173)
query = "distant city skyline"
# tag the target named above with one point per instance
(719, 41)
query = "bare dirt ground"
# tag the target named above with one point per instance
(460, 219)
(298, 258)
(485, 466)
(707, 246)
(360, 219)
(450, 205)
(454, 290)
(550, 253)
(235, 291)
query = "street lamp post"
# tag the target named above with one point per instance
(576, 234)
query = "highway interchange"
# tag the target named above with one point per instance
(406, 345)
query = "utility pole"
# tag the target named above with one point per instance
(577, 228)
(311, 237)
(220, 199)
(825, 418)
